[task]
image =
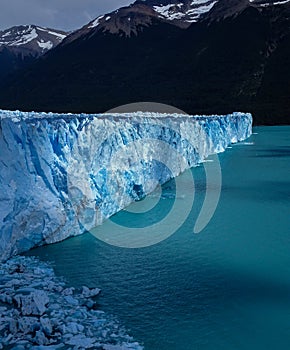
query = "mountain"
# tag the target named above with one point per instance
(133, 18)
(210, 57)
(128, 20)
(21, 45)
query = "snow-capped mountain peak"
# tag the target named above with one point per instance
(34, 39)
(141, 13)
(179, 12)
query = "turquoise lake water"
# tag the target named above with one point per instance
(226, 288)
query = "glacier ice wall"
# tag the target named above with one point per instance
(62, 173)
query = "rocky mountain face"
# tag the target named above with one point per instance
(200, 56)
(128, 20)
(20, 45)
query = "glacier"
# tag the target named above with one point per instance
(61, 174)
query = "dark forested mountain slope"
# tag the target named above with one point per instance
(233, 56)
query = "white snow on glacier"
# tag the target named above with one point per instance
(62, 173)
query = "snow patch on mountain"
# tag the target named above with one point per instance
(96, 22)
(181, 11)
(45, 45)
(267, 4)
(59, 35)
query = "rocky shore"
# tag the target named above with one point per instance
(39, 311)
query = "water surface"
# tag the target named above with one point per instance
(225, 288)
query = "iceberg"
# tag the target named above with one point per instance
(61, 174)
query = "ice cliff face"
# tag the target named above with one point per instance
(62, 174)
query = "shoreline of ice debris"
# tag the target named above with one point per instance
(38, 311)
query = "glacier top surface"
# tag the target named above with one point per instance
(17, 116)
